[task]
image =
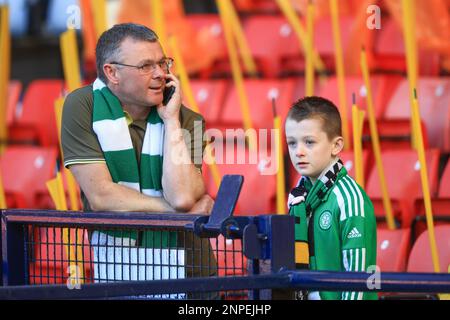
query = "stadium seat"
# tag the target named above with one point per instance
(440, 205)
(25, 170)
(51, 260)
(420, 258)
(229, 256)
(323, 43)
(279, 43)
(209, 26)
(259, 94)
(389, 51)
(14, 91)
(37, 123)
(323, 37)
(382, 86)
(392, 249)
(402, 173)
(394, 134)
(259, 174)
(210, 96)
(256, 6)
(444, 186)
(434, 103)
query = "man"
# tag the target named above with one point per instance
(124, 146)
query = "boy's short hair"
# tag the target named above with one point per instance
(321, 108)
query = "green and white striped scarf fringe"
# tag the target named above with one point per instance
(110, 125)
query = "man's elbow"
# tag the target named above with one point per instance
(183, 203)
(97, 203)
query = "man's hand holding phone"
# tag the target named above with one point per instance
(169, 109)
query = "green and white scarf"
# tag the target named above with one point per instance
(303, 201)
(110, 125)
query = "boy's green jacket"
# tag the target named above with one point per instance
(342, 235)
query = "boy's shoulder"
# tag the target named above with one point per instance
(346, 194)
(347, 184)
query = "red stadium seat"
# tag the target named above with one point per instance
(444, 186)
(323, 43)
(323, 38)
(348, 159)
(393, 249)
(259, 94)
(210, 27)
(210, 96)
(256, 6)
(382, 89)
(14, 90)
(259, 174)
(390, 55)
(394, 134)
(25, 170)
(278, 43)
(229, 256)
(440, 205)
(37, 121)
(52, 258)
(402, 173)
(434, 103)
(420, 258)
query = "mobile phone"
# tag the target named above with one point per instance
(167, 94)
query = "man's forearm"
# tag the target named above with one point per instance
(182, 182)
(114, 197)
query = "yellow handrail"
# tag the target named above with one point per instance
(157, 13)
(309, 52)
(281, 190)
(339, 61)
(293, 20)
(70, 59)
(409, 35)
(358, 121)
(100, 19)
(425, 184)
(5, 63)
(241, 40)
(376, 142)
(2, 194)
(237, 73)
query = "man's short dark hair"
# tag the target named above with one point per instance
(318, 108)
(108, 44)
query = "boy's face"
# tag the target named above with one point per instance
(310, 150)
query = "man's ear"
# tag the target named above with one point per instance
(338, 145)
(111, 73)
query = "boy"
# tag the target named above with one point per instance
(335, 228)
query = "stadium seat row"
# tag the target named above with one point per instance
(401, 167)
(26, 169)
(32, 119)
(394, 252)
(278, 52)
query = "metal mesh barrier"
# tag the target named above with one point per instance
(70, 255)
(60, 255)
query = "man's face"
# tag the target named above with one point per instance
(310, 150)
(134, 87)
